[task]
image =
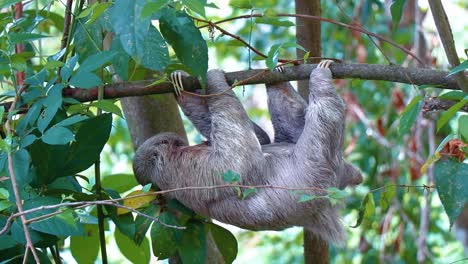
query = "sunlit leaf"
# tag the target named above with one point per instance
(447, 115)
(136, 202)
(463, 127)
(386, 197)
(89, 241)
(131, 251)
(366, 211)
(462, 67)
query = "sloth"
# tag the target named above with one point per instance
(306, 155)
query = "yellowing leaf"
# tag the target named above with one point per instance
(135, 202)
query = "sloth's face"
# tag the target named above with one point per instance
(153, 154)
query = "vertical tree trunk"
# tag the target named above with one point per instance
(149, 115)
(308, 36)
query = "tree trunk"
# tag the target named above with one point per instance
(149, 115)
(308, 36)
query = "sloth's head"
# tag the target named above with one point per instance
(153, 154)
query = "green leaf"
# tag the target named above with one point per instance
(447, 115)
(396, 9)
(66, 71)
(452, 185)
(57, 135)
(409, 114)
(152, 7)
(336, 195)
(71, 120)
(140, 40)
(273, 56)
(225, 241)
(24, 37)
(143, 223)
(247, 192)
(21, 161)
(131, 251)
(27, 140)
(50, 65)
(307, 197)
(108, 106)
(386, 198)
(163, 239)
(100, 9)
(87, 11)
(453, 95)
(52, 104)
(146, 187)
(119, 182)
(197, 6)
(120, 61)
(231, 176)
(463, 127)
(85, 80)
(96, 61)
(462, 67)
(63, 224)
(192, 246)
(186, 40)
(85, 249)
(90, 139)
(366, 211)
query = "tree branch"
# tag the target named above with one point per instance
(436, 104)
(392, 73)
(446, 37)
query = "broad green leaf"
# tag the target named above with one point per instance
(6, 241)
(462, 67)
(119, 182)
(225, 241)
(108, 106)
(52, 103)
(71, 120)
(131, 251)
(274, 21)
(192, 246)
(2, 112)
(96, 61)
(98, 11)
(447, 115)
(163, 239)
(87, 11)
(88, 39)
(63, 224)
(152, 7)
(386, 198)
(24, 37)
(21, 160)
(452, 185)
(197, 6)
(273, 56)
(66, 71)
(409, 114)
(37, 79)
(85, 248)
(140, 40)
(143, 223)
(124, 223)
(85, 80)
(120, 61)
(27, 140)
(90, 139)
(463, 127)
(396, 9)
(5, 204)
(48, 161)
(30, 118)
(366, 211)
(186, 40)
(57, 135)
(453, 95)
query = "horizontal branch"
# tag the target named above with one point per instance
(436, 104)
(392, 73)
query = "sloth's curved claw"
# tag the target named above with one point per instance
(279, 68)
(324, 64)
(176, 80)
